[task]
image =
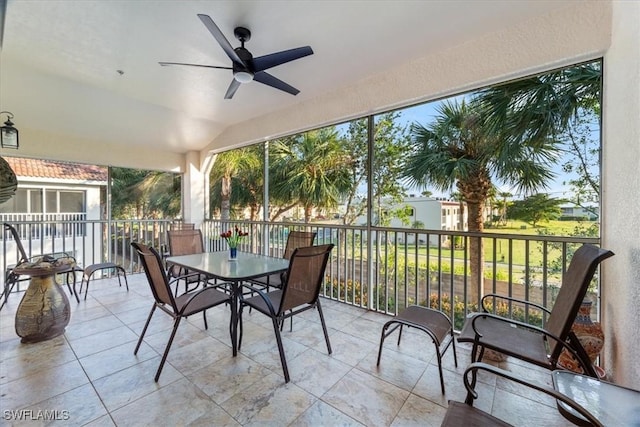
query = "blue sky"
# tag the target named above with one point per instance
(425, 113)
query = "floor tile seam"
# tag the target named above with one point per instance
(384, 380)
(364, 338)
(97, 332)
(319, 399)
(67, 391)
(219, 405)
(94, 352)
(348, 370)
(117, 408)
(157, 354)
(99, 304)
(89, 320)
(402, 406)
(409, 393)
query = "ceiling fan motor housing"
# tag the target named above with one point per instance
(245, 68)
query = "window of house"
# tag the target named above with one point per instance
(37, 200)
(71, 201)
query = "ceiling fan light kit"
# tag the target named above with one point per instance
(245, 67)
(243, 76)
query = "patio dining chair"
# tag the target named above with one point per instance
(465, 414)
(193, 302)
(299, 293)
(185, 242)
(179, 225)
(11, 278)
(541, 346)
(295, 240)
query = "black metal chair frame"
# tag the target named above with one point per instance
(177, 274)
(466, 414)
(90, 270)
(176, 307)
(294, 240)
(279, 306)
(11, 278)
(548, 345)
(432, 322)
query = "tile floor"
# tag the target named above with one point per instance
(91, 377)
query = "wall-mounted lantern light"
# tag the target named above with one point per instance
(8, 134)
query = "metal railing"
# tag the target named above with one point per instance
(386, 269)
(381, 269)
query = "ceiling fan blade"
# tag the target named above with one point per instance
(269, 80)
(164, 64)
(265, 62)
(233, 87)
(220, 38)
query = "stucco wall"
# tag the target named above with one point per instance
(620, 190)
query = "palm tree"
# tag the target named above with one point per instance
(503, 206)
(459, 150)
(231, 164)
(541, 107)
(144, 194)
(310, 169)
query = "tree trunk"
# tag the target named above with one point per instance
(476, 253)
(307, 214)
(225, 199)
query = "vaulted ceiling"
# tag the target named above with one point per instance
(89, 69)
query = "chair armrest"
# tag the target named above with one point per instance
(175, 279)
(537, 329)
(511, 299)
(472, 371)
(262, 295)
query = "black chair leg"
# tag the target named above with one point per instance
(324, 326)
(283, 359)
(382, 337)
(144, 330)
(8, 287)
(176, 323)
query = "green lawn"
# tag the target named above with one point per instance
(519, 254)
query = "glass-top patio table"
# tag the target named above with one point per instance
(218, 265)
(611, 404)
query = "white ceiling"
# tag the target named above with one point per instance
(59, 59)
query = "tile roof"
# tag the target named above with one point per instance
(37, 168)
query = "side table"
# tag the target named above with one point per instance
(44, 311)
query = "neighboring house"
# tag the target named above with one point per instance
(571, 211)
(431, 214)
(55, 191)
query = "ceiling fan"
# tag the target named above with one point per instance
(245, 67)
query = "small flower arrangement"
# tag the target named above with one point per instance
(234, 237)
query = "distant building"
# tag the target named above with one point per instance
(50, 191)
(574, 212)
